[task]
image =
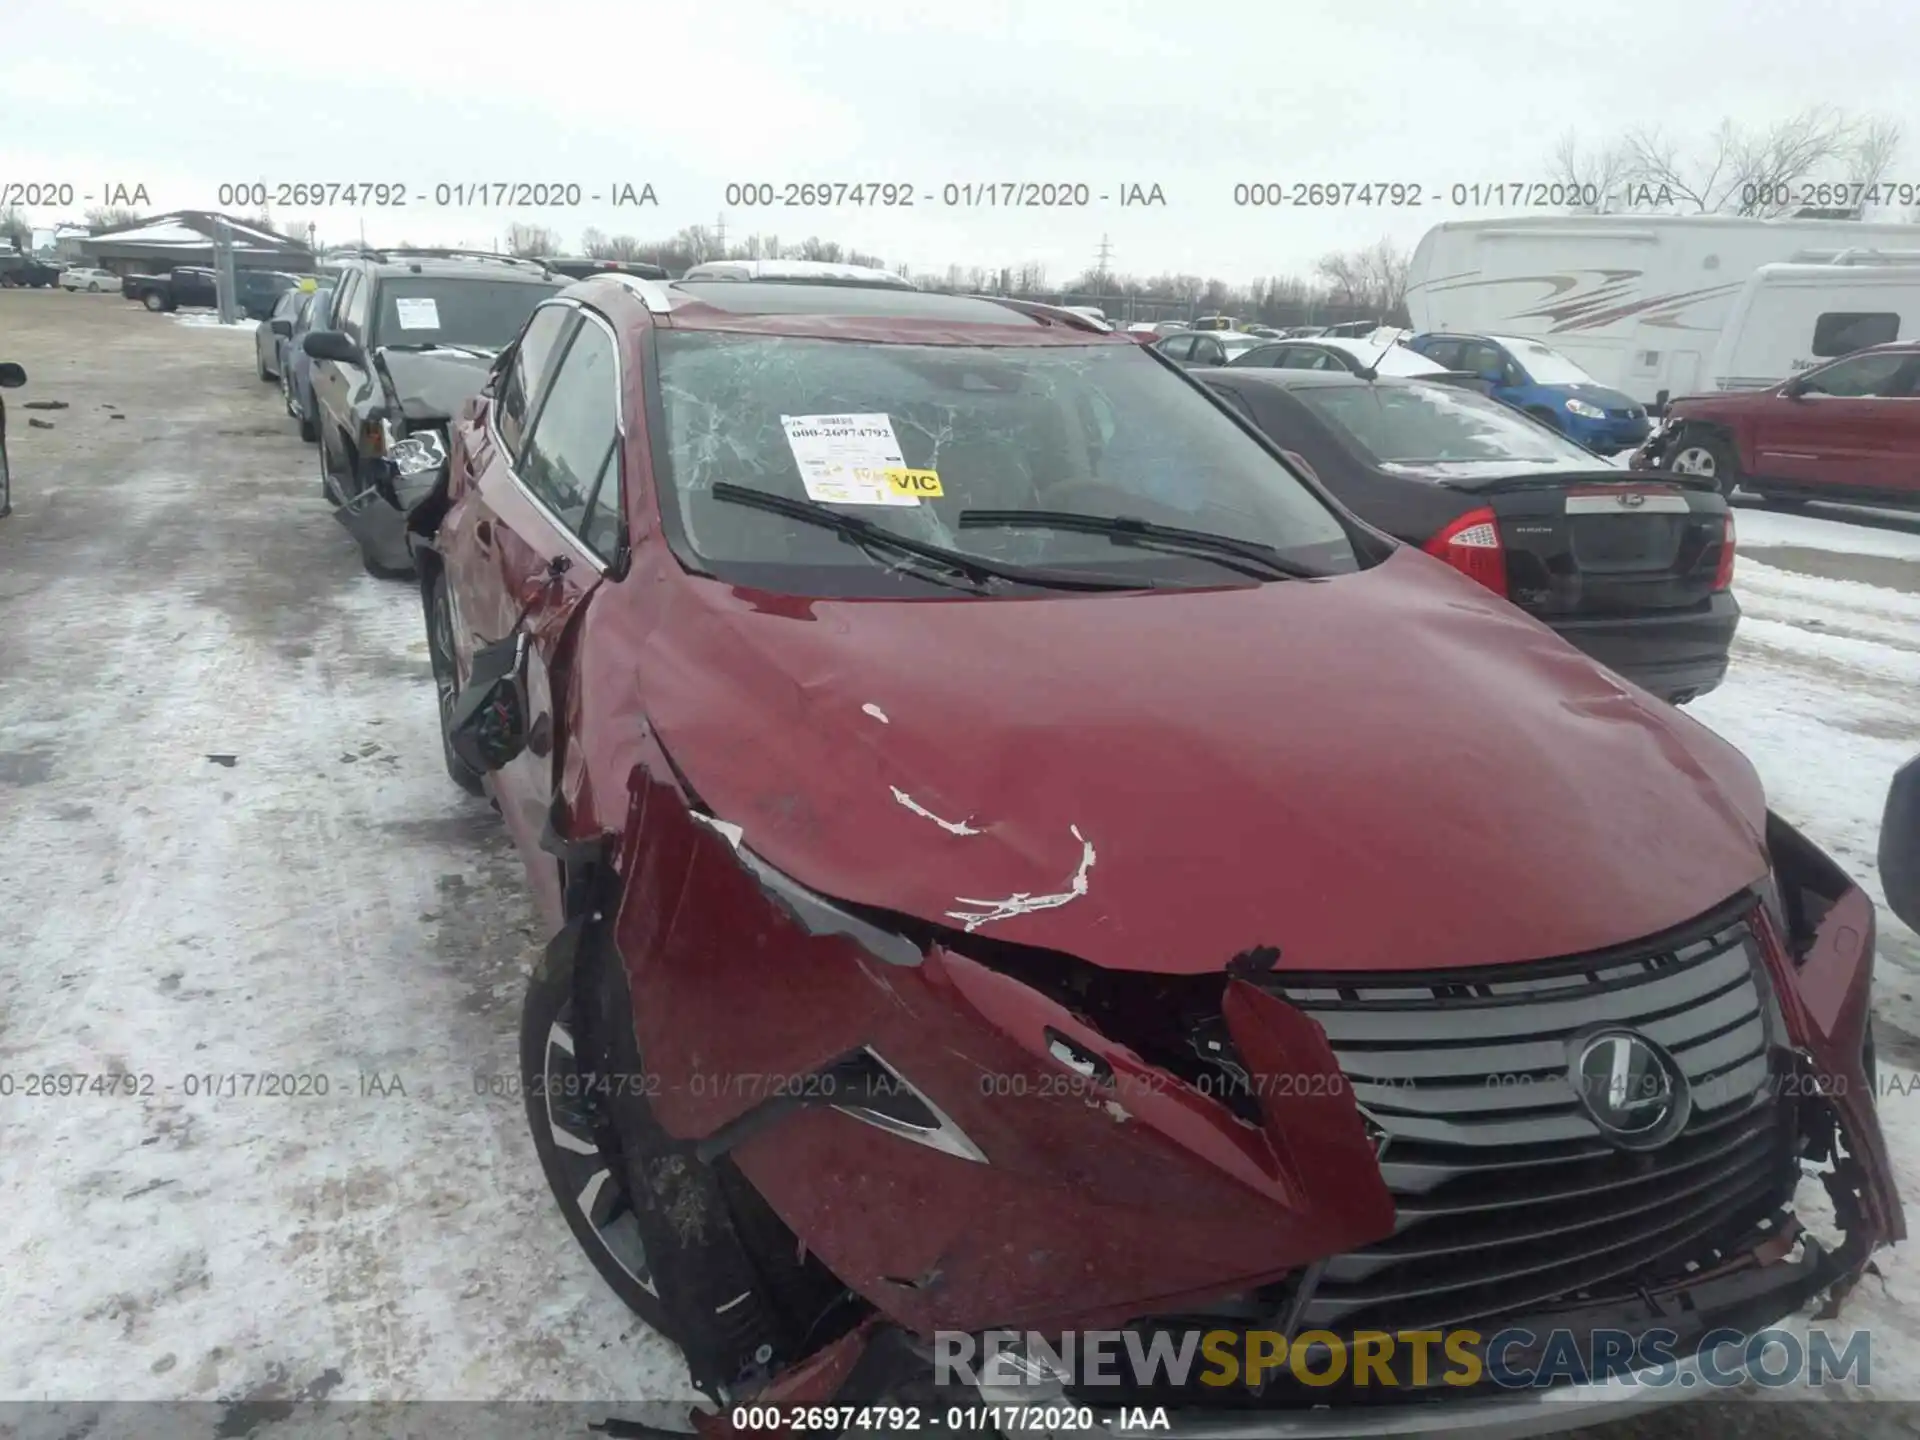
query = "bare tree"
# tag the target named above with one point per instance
(1738, 170)
(1371, 279)
(15, 227)
(525, 239)
(1600, 173)
(592, 242)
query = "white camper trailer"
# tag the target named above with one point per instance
(1788, 318)
(1639, 301)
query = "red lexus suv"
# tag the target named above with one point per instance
(1849, 431)
(1019, 855)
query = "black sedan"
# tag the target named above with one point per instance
(1634, 568)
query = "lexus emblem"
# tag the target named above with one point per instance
(1631, 1088)
(1633, 499)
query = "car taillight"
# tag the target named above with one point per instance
(1723, 574)
(1472, 546)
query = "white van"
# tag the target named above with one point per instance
(1639, 301)
(1790, 318)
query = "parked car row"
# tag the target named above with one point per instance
(813, 637)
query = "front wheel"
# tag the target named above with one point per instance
(446, 678)
(155, 303)
(94, 288)
(578, 1149)
(1707, 456)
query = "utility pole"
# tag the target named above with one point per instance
(1101, 269)
(223, 278)
(720, 232)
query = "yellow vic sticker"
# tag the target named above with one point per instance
(921, 484)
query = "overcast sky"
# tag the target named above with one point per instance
(690, 97)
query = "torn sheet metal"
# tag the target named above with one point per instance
(1022, 903)
(952, 827)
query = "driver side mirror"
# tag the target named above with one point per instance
(488, 726)
(331, 345)
(1900, 845)
(282, 328)
(12, 376)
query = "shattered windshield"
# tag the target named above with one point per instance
(911, 437)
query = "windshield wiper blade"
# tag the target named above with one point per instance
(865, 533)
(1261, 561)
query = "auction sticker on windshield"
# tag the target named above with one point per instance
(845, 459)
(416, 313)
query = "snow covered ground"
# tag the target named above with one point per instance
(228, 852)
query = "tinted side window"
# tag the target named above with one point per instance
(572, 441)
(1860, 378)
(1443, 352)
(1177, 348)
(1841, 332)
(1482, 359)
(351, 313)
(533, 357)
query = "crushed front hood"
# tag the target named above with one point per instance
(1389, 770)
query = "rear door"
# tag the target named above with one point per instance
(550, 513)
(1895, 463)
(1835, 433)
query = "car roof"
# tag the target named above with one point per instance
(741, 271)
(775, 297)
(440, 263)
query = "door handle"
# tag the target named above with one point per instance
(483, 532)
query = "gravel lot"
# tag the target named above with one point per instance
(228, 852)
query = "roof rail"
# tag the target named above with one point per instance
(1057, 313)
(384, 254)
(651, 293)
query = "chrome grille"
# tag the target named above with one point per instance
(1508, 1196)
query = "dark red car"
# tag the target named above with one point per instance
(1848, 431)
(1019, 856)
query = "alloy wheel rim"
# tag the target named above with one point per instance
(585, 1172)
(1694, 460)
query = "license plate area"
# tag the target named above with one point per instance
(1627, 530)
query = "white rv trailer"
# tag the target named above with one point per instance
(1788, 318)
(1637, 300)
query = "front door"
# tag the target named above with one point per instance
(1826, 435)
(546, 510)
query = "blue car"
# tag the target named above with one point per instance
(1546, 385)
(296, 372)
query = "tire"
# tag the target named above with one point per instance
(326, 489)
(605, 1227)
(628, 1153)
(94, 288)
(438, 606)
(1707, 455)
(309, 432)
(154, 301)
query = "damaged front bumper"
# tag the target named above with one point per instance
(1113, 1187)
